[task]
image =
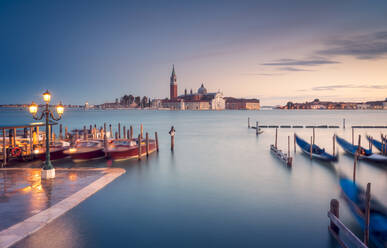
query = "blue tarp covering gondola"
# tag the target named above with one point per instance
(363, 153)
(317, 152)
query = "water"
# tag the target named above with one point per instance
(221, 187)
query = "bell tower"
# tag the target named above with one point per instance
(173, 85)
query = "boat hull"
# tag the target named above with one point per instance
(81, 155)
(130, 152)
(55, 154)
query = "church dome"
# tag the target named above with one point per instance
(202, 90)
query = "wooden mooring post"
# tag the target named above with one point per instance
(357, 153)
(276, 136)
(256, 128)
(128, 134)
(66, 132)
(104, 128)
(147, 143)
(337, 228)
(139, 147)
(172, 134)
(334, 145)
(157, 141)
(354, 167)
(344, 123)
(314, 136)
(85, 133)
(295, 145)
(110, 131)
(311, 147)
(289, 149)
(60, 131)
(124, 132)
(131, 132)
(105, 145)
(119, 130)
(141, 131)
(248, 122)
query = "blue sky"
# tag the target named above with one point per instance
(96, 51)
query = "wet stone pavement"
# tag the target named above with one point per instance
(23, 193)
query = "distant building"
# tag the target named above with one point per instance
(202, 100)
(242, 104)
(173, 85)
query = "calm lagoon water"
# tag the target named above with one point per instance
(221, 187)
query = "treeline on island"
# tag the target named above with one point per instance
(134, 101)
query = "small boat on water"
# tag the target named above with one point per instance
(56, 151)
(123, 149)
(317, 152)
(363, 153)
(86, 150)
(355, 198)
(379, 145)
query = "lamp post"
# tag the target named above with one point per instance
(48, 170)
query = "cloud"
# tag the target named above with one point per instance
(263, 74)
(348, 86)
(288, 68)
(305, 62)
(368, 46)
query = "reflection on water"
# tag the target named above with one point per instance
(23, 193)
(221, 187)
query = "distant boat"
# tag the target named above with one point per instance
(86, 150)
(381, 147)
(363, 153)
(123, 149)
(355, 197)
(317, 152)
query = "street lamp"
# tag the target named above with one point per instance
(48, 170)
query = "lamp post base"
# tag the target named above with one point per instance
(48, 174)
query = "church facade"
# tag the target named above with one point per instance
(201, 100)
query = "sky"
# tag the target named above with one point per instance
(277, 51)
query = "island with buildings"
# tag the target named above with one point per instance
(317, 104)
(192, 100)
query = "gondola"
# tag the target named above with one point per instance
(381, 147)
(355, 197)
(317, 152)
(363, 153)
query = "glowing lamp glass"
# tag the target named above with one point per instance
(47, 96)
(33, 108)
(60, 109)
